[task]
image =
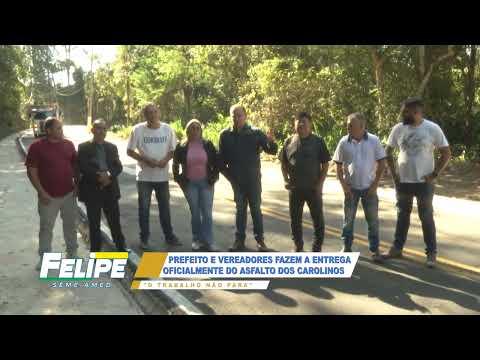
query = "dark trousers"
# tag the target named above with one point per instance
(104, 201)
(297, 199)
(424, 194)
(162, 194)
(248, 195)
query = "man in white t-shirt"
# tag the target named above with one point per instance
(152, 144)
(416, 138)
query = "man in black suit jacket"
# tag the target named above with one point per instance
(100, 166)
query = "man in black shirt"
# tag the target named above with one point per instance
(305, 159)
(239, 152)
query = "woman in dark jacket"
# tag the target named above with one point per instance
(198, 159)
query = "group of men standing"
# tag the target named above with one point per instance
(60, 175)
(57, 172)
(360, 163)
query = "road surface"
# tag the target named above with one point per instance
(398, 287)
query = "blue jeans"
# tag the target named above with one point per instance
(199, 196)
(249, 194)
(162, 194)
(424, 194)
(370, 209)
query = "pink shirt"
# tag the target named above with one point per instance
(196, 161)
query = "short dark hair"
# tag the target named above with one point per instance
(303, 115)
(415, 102)
(48, 124)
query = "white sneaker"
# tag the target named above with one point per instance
(431, 260)
(196, 245)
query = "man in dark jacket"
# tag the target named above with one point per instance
(239, 151)
(100, 166)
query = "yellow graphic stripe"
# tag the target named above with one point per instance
(109, 255)
(151, 265)
(135, 285)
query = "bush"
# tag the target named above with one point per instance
(122, 131)
(213, 129)
(179, 130)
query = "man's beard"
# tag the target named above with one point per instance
(408, 120)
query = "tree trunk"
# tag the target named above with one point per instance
(421, 62)
(469, 92)
(126, 64)
(378, 61)
(128, 100)
(32, 73)
(187, 96)
(426, 77)
(67, 67)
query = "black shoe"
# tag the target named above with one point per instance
(173, 241)
(376, 257)
(346, 249)
(262, 247)
(124, 249)
(298, 248)
(238, 245)
(317, 247)
(393, 253)
(145, 247)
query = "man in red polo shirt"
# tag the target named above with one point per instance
(52, 169)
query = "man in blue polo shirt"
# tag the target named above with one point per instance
(360, 159)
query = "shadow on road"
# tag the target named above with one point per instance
(394, 284)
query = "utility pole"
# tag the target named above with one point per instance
(90, 102)
(126, 68)
(33, 94)
(67, 53)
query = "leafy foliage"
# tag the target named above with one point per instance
(272, 81)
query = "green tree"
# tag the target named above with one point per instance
(12, 89)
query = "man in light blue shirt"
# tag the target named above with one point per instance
(360, 159)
